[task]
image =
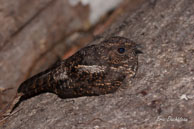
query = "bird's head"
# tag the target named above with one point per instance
(120, 54)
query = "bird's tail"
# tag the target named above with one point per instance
(35, 85)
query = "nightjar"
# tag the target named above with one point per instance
(94, 70)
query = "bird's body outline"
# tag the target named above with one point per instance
(94, 70)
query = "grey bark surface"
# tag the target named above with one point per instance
(161, 94)
(32, 33)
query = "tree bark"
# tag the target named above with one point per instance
(32, 33)
(161, 94)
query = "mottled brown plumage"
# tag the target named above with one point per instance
(94, 70)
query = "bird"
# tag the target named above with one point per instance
(92, 71)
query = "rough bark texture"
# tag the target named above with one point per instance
(162, 89)
(32, 33)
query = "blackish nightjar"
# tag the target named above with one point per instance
(94, 70)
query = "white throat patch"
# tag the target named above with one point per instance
(91, 68)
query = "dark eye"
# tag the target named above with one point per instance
(121, 50)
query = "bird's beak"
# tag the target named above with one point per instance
(137, 50)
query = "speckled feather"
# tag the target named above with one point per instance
(94, 70)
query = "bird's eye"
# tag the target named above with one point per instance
(121, 50)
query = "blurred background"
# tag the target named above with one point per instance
(36, 34)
